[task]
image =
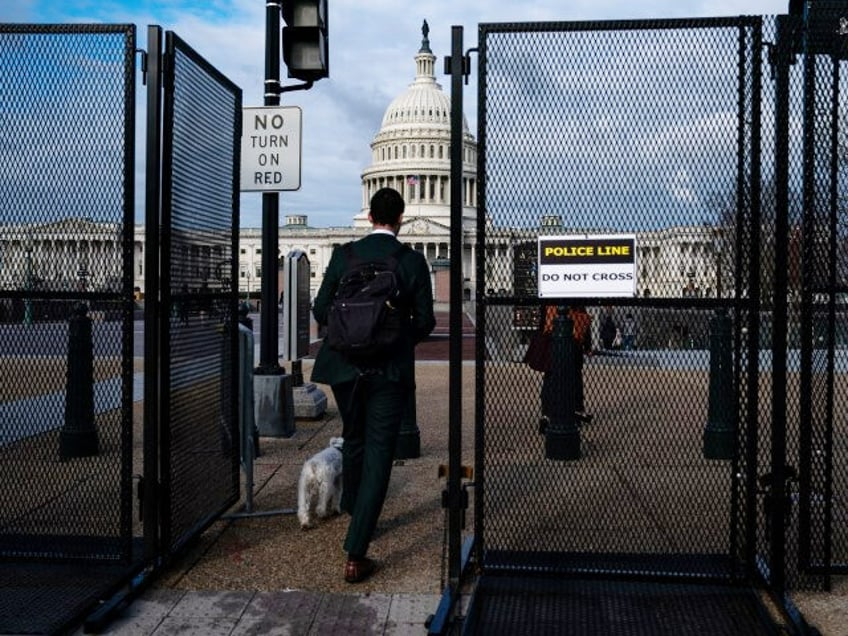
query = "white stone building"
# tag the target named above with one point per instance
(409, 152)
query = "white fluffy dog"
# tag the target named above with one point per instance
(319, 492)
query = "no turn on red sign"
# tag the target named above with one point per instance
(270, 148)
(587, 265)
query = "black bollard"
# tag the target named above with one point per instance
(243, 317)
(562, 435)
(408, 444)
(78, 437)
(720, 432)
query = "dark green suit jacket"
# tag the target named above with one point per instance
(331, 367)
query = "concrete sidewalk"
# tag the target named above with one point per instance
(162, 612)
(266, 576)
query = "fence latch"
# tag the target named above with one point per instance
(771, 491)
(466, 472)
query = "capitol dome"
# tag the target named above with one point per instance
(423, 103)
(411, 151)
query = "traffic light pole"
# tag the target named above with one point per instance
(269, 316)
(273, 389)
(269, 349)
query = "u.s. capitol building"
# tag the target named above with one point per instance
(409, 152)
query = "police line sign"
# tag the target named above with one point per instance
(587, 265)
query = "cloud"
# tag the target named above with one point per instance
(372, 46)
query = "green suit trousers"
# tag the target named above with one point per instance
(371, 408)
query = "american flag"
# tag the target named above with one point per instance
(413, 180)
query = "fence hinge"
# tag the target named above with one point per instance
(466, 64)
(143, 63)
(463, 498)
(465, 472)
(775, 492)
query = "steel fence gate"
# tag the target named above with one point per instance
(76, 535)
(195, 348)
(661, 132)
(67, 112)
(817, 455)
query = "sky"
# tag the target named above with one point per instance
(372, 44)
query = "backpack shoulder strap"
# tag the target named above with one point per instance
(350, 257)
(352, 260)
(394, 257)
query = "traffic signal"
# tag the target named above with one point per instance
(305, 49)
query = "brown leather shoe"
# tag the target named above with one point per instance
(357, 570)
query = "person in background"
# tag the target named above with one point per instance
(628, 332)
(582, 345)
(372, 401)
(608, 330)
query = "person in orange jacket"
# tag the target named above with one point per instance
(582, 345)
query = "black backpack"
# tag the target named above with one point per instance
(366, 317)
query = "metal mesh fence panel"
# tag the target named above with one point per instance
(838, 326)
(202, 119)
(772, 415)
(817, 453)
(640, 128)
(66, 191)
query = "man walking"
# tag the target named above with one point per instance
(371, 398)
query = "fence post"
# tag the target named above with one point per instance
(562, 435)
(78, 437)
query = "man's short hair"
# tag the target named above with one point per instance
(386, 206)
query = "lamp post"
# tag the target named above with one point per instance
(78, 437)
(28, 279)
(717, 245)
(562, 435)
(720, 431)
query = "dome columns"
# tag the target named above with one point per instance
(432, 189)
